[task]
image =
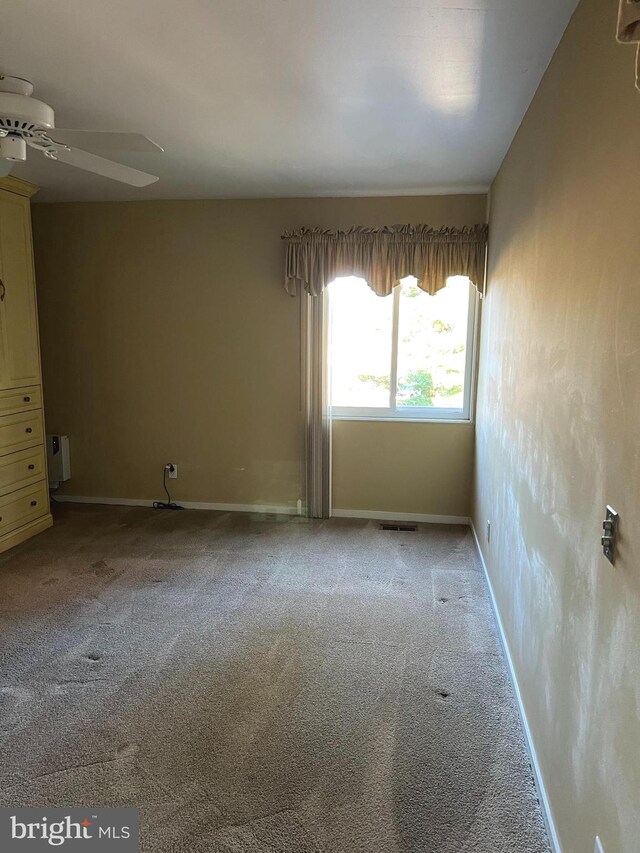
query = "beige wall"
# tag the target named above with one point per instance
(167, 336)
(559, 425)
(403, 467)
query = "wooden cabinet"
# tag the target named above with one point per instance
(23, 506)
(19, 431)
(24, 468)
(19, 359)
(24, 495)
(20, 399)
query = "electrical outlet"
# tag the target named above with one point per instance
(172, 468)
(488, 531)
(599, 846)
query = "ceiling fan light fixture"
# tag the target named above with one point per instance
(13, 147)
(24, 112)
(25, 121)
(15, 84)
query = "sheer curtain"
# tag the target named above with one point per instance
(315, 336)
(382, 257)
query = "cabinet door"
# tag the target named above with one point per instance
(19, 359)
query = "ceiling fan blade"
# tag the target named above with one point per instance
(105, 140)
(106, 168)
(5, 168)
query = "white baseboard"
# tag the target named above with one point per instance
(537, 771)
(258, 508)
(273, 509)
(400, 516)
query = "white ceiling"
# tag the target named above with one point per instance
(264, 98)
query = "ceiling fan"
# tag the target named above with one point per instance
(25, 121)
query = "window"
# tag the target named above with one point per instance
(405, 356)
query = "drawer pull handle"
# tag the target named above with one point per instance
(34, 503)
(28, 429)
(31, 467)
(27, 399)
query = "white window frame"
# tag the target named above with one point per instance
(421, 413)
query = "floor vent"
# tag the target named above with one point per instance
(403, 528)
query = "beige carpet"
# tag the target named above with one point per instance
(262, 685)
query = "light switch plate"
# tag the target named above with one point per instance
(610, 528)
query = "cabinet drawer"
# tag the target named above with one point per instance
(23, 506)
(20, 431)
(20, 399)
(21, 469)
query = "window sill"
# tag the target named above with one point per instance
(402, 420)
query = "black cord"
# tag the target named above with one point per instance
(164, 483)
(168, 504)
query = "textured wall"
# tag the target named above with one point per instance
(558, 427)
(167, 336)
(403, 467)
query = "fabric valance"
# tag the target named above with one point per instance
(384, 256)
(629, 28)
